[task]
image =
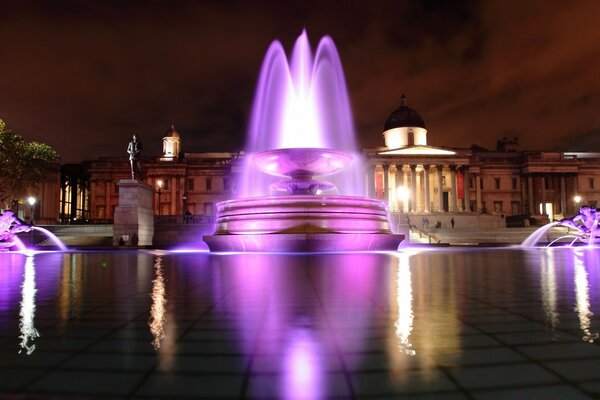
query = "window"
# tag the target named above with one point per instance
(226, 184)
(497, 183)
(190, 184)
(591, 181)
(166, 184)
(515, 207)
(472, 182)
(116, 189)
(472, 206)
(497, 206)
(208, 183)
(208, 208)
(481, 184)
(515, 183)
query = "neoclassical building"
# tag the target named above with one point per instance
(183, 182)
(415, 177)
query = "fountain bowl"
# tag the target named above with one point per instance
(302, 163)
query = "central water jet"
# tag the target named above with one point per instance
(302, 130)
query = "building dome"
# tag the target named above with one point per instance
(171, 144)
(172, 133)
(404, 117)
(404, 127)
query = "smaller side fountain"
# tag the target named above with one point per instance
(303, 213)
(10, 225)
(582, 230)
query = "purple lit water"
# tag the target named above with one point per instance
(298, 104)
(486, 323)
(61, 246)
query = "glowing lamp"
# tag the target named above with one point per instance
(577, 199)
(403, 193)
(31, 200)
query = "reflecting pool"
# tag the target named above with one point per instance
(443, 324)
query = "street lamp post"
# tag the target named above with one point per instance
(31, 200)
(159, 185)
(184, 201)
(577, 200)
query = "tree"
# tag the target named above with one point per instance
(22, 164)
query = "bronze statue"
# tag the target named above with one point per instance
(135, 149)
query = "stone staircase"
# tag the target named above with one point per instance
(481, 237)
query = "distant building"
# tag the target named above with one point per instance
(417, 178)
(413, 176)
(183, 182)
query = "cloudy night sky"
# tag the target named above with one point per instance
(83, 76)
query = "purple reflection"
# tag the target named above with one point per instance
(302, 372)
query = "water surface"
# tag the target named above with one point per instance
(488, 323)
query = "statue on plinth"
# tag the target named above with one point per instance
(10, 225)
(134, 150)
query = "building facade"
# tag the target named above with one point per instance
(411, 175)
(183, 183)
(415, 177)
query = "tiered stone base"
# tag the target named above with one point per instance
(302, 223)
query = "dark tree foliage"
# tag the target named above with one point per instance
(22, 164)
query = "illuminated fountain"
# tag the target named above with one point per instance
(582, 229)
(10, 226)
(301, 130)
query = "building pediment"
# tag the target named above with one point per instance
(418, 151)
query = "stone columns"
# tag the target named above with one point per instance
(563, 196)
(478, 192)
(440, 187)
(466, 182)
(530, 199)
(371, 181)
(454, 197)
(543, 189)
(400, 181)
(413, 184)
(93, 208)
(427, 206)
(107, 202)
(386, 183)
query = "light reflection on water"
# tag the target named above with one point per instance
(157, 310)
(27, 312)
(548, 278)
(309, 315)
(582, 291)
(404, 298)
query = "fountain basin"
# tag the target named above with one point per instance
(302, 223)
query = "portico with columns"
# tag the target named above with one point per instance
(412, 176)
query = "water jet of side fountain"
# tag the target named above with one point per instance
(11, 225)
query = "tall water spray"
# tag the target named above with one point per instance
(298, 104)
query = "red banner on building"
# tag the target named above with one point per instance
(460, 182)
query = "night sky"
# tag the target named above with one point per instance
(84, 76)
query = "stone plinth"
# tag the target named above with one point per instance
(134, 216)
